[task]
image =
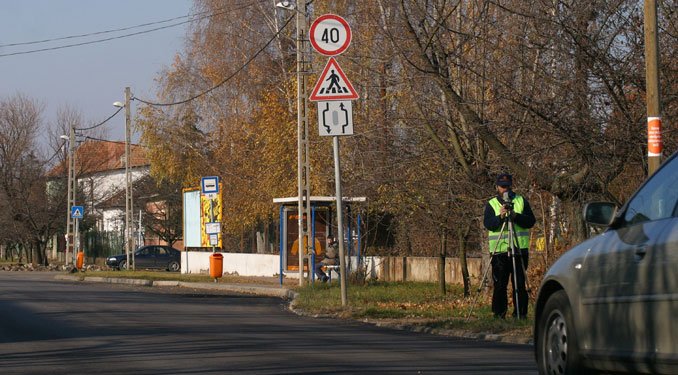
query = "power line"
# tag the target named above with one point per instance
(103, 122)
(57, 152)
(98, 32)
(228, 78)
(119, 36)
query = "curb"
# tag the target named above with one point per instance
(236, 288)
(428, 330)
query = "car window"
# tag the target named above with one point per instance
(658, 198)
(162, 252)
(144, 251)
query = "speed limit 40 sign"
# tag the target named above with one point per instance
(330, 34)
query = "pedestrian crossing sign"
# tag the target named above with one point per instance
(333, 84)
(76, 212)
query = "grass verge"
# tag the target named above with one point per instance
(412, 303)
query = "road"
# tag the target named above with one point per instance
(50, 326)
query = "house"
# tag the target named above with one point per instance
(101, 176)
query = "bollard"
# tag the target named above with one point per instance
(216, 266)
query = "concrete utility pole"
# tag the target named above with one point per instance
(654, 122)
(303, 165)
(129, 238)
(70, 199)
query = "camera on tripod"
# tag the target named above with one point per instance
(508, 203)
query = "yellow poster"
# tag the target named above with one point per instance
(211, 211)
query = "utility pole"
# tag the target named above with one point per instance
(129, 239)
(70, 199)
(654, 121)
(303, 165)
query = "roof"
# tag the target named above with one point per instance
(319, 199)
(93, 156)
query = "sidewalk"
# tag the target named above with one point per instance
(270, 287)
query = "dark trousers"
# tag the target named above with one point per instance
(502, 272)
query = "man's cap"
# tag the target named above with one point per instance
(504, 179)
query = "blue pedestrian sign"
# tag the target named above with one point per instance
(77, 212)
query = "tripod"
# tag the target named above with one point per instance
(513, 251)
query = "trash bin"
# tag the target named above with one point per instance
(216, 265)
(80, 260)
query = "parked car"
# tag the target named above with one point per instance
(151, 256)
(610, 303)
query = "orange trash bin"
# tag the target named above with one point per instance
(216, 265)
(80, 260)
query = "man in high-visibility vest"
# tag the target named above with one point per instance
(507, 208)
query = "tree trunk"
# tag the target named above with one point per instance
(462, 233)
(573, 215)
(441, 262)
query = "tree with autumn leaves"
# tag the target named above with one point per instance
(451, 93)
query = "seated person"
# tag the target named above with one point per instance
(331, 259)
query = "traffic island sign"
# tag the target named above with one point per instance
(335, 118)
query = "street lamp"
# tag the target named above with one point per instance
(129, 240)
(289, 5)
(303, 165)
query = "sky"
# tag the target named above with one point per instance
(88, 78)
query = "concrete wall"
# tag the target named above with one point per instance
(242, 264)
(383, 268)
(425, 269)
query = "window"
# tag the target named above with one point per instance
(658, 198)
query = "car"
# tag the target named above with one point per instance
(609, 303)
(150, 256)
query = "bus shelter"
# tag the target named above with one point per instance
(322, 226)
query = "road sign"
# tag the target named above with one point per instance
(333, 84)
(209, 185)
(335, 118)
(77, 212)
(330, 34)
(213, 228)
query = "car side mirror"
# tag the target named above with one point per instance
(599, 213)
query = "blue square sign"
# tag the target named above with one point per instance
(77, 212)
(209, 185)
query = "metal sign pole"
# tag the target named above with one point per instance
(340, 222)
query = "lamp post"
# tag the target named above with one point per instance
(129, 239)
(303, 165)
(70, 195)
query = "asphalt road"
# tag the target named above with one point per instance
(49, 326)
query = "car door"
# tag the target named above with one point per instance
(163, 256)
(662, 298)
(145, 257)
(627, 284)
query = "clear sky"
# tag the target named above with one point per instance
(91, 77)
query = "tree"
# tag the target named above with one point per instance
(29, 214)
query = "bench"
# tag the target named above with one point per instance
(329, 268)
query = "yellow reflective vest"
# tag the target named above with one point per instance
(501, 245)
